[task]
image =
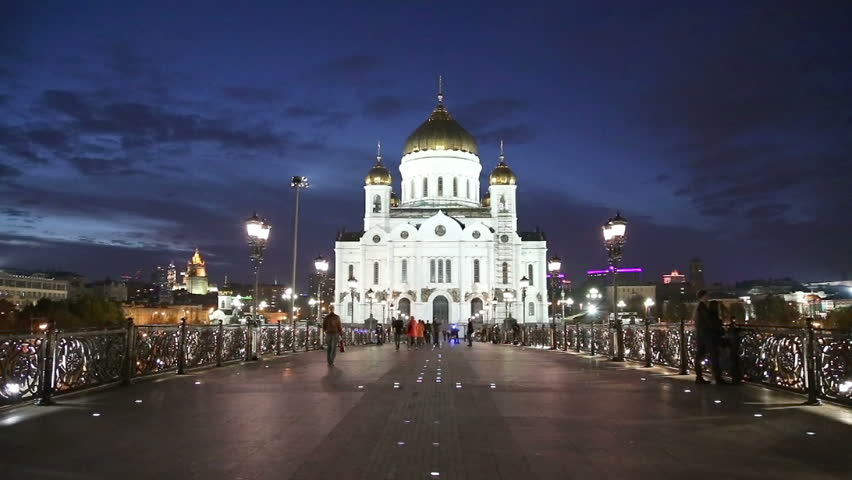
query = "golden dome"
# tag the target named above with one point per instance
(379, 174)
(394, 200)
(502, 174)
(440, 132)
(486, 200)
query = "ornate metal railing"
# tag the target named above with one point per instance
(805, 360)
(53, 362)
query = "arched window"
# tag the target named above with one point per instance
(503, 206)
(411, 194)
(440, 271)
(404, 271)
(425, 187)
(351, 271)
(455, 187)
(531, 310)
(530, 275)
(505, 272)
(375, 273)
(468, 189)
(432, 271)
(449, 274)
(440, 186)
(476, 271)
(377, 204)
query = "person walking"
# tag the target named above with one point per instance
(412, 332)
(708, 332)
(420, 330)
(397, 325)
(469, 332)
(436, 333)
(332, 328)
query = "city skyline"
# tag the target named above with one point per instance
(128, 139)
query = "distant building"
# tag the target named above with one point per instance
(196, 275)
(23, 288)
(696, 273)
(631, 292)
(626, 276)
(674, 277)
(108, 290)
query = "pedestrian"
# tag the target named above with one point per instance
(421, 329)
(331, 327)
(427, 333)
(469, 333)
(436, 333)
(708, 333)
(379, 335)
(397, 325)
(412, 332)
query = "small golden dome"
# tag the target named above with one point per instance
(440, 132)
(378, 175)
(394, 200)
(502, 174)
(486, 200)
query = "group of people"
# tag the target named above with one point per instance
(419, 333)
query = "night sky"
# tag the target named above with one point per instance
(132, 132)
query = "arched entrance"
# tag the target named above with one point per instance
(441, 310)
(404, 306)
(475, 306)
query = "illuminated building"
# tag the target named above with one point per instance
(674, 277)
(439, 250)
(22, 288)
(196, 275)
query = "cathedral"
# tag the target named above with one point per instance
(438, 250)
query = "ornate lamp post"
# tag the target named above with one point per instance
(321, 266)
(370, 295)
(525, 283)
(592, 298)
(553, 266)
(615, 236)
(508, 296)
(257, 230)
(648, 304)
(353, 285)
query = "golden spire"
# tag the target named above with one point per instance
(379, 152)
(502, 155)
(440, 90)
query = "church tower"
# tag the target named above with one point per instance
(377, 194)
(502, 199)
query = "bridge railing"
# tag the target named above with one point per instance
(812, 361)
(39, 366)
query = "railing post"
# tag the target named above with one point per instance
(129, 353)
(307, 337)
(46, 382)
(736, 361)
(810, 364)
(647, 344)
(278, 339)
(577, 340)
(592, 339)
(249, 340)
(181, 361)
(683, 348)
(220, 344)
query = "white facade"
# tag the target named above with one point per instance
(440, 252)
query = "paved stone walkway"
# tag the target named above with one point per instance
(498, 412)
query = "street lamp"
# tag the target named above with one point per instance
(592, 297)
(353, 285)
(615, 236)
(507, 298)
(525, 283)
(648, 304)
(257, 230)
(370, 295)
(321, 266)
(553, 266)
(297, 183)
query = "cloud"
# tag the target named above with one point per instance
(322, 117)
(517, 134)
(104, 166)
(356, 69)
(252, 94)
(387, 106)
(487, 111)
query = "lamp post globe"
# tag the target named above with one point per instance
(257, 231)
(321, 266)
(353, 285)
(524, 283)
(649, 302)
(615, 236)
